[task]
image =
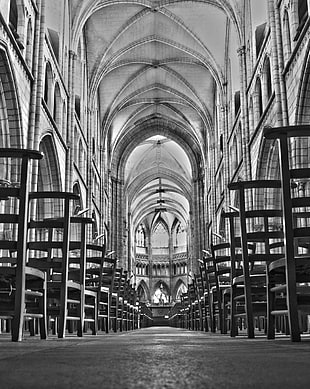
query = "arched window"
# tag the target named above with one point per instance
(180, 237)
(140, 237)
(48, 86)
(57, 114)
(251, 115)
(220, 185)
(287, 46)
(259, 98)
(302, 11)
(64, 120)
(95, 226)
(267, 78)
(141, 293)
(78, 82)
(13, 18)
(77, 203)
(29, 44)
(81, 156)
(160, 237)
(234, 154)
(75, 146)
(181, 289)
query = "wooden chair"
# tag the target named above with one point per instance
(213, 297)
(82, 258)
(261, 242)
(22, 287)
(132, 306)
(120, 293)
(199, 286)
(192, 305)
(205, 299)
(290, 275)
(100, 272)
(229, 254)
(110, 296)
(221, 259)
(49, 244)
(118, 305)
(107, 312)
(185, 310)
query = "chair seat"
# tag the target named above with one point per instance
(302, 264)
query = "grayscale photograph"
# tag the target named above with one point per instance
(154, 194)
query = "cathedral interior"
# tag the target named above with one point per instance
(155, 172)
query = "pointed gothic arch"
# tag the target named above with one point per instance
(179, 288)
(11, 125)
(48, 177)
(143, 292)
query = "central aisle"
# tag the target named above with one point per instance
(155, 358)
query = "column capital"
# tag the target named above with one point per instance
(72, 54)
(241, 50)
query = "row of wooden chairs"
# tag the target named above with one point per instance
(53, 275)
(258, 279)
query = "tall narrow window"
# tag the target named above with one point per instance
(29, 44)
(302, 11)
(287, 47)
(234, 154)
(13, 18)
(48, 86)
(251, 115)
(64, 120)
(267, 77)
(160, 237)
(259, 97)
(57, 114)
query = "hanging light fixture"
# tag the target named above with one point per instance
(160, 190)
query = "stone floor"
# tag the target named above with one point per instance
(157, 357)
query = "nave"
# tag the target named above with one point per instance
(154, 170)
(153, 358)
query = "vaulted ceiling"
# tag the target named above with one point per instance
(158, 69)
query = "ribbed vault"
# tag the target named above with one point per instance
(158, 73)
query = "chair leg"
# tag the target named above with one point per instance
(18, 319)
(270, 317)
(95, 318)
(17, 328)
(81, 317)
(233, 321)
(43, 309)
(293, 317)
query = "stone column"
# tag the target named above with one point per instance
(171, 252)
(128, 247)
(90, 121)
(226, 159)
(278, 27)
(150, 259)
(212, 186)
(117, 222)
(70, 122)
(34, 129)
(244, 114)
(274, 60)
(38, 75)
(197, 220)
